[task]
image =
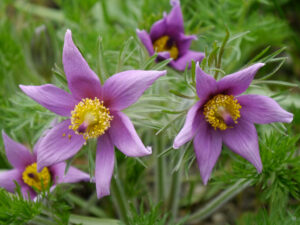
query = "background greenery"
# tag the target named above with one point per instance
(166, 187)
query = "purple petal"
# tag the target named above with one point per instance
(237, 83)
(146, 40)
(59, 144)
(105, 160)
(52, 124)
(82, 81)
(18, 155)
(7, 179)
(184, 42)
(73, 175)
(158, 29)
(262, 109)
(28, 192)
(124, 136)
(242, 139)
(206, 85)
(51, 97)
(174, 20)
(163, 56)
(191, 125)
(207, 146)
(186, 59)
(123, 89)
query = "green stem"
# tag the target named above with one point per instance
(120, 200)
(85, 205)
(41, 220)
(174, 195)
(85, 220)
(160, 171)
(219, 201)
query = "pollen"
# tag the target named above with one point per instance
(222, 111)
(32, 178)
(90, 118)
(165, 43)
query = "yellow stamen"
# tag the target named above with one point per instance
(40, 181)
(165, 43)
(90, 118)
(220, 110)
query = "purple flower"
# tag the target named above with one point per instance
(25, 171)
(94, 111)
(168, 40)
(223, 115)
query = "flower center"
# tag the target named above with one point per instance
(165, 43)
(90, 118)
(37, 180)
(222, 111)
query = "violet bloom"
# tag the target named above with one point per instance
(94, 111)
(25, 171)
(223, 115)
(168, 40)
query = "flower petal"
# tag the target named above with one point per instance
(73, 175)
(105, 159)
(262, 109)
(206, 85)
(186, 59)
(52, 98)
(7, 179)
(27, 192)
(124, 136)
(146, 40)
(162, 56)
(184, 42)
(207, 146)
(242, 139)
(175, 19)
(18, 155)
(238, 82)
(123, 89)
(191, 125)
(158, 29)
(82, 81)
(59, 144)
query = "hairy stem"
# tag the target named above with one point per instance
(174, 196)
(160, 171)
(120, 200)
(219, 201)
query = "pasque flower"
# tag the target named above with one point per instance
(222, 114)
(25, 171)
(94, 111)
(167, 38)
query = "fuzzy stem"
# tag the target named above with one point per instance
(160, 171)
(41, 220)
(120, 199)
(219, 201)
(174, 195)
(86, 207)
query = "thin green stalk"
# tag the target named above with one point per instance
(221, 52)
(41, 220)
(86, 220)
(160, 171)
(219, 201)
(120, 200)
(174, 196)
(85, 205)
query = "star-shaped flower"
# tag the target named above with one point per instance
(167, 38)
(224, 115)
(93, 111)
(25, 171)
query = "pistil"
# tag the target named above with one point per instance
(222, 111)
